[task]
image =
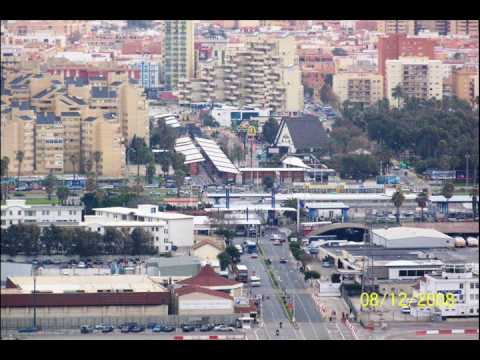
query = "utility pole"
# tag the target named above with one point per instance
(298, 216)
(34, 297)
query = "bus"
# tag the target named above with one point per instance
(241, 273)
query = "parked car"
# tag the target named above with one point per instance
(207, 327)
(29, 329)
(125, 329)
(81, 265)
(99, 327)
(107, 329)
(137, 328)
(86, 329)
(224, 328)
(168, 328)
(283, 260)
(151, 325)
(277, 243)
(405, 310)
(254, 256)
(188, 328)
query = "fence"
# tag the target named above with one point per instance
(353, 310)
(62, 323)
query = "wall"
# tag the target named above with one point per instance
(180, 232)
(198, 303)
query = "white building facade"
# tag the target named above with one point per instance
(16, 212)
(460, 280)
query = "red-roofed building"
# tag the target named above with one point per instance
(197, 300)
(208, 278)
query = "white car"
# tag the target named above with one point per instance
(405, 310)
(81, 265)
(223, 328)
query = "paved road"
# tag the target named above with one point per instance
(272, 311)
(311, 324)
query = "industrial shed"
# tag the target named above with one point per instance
(407, 237)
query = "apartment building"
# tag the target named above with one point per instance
(72, 151)
(49, 143)
(442, 27)
(178, 51)
(464, 27)
(133, 112)
(103, 133)
(396, 26)
(264, 74)
(16, 212)
(465, 84)
(360, 88)
(417, 77)
(394, 46)
(17, 135)
(149, 73)
(169, 229)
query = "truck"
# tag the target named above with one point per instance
(241, 273)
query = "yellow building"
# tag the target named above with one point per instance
(103, 133)
(364, 88)
(49, 143)
(17, 134)
(134, 113)
(396, 26)
(465, 84)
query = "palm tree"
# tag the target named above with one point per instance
(5, 163)
(97, 157)
(19, 157)
(74, 159)
(422, 200)
(398, 198)
(397, 93)
(447, 191)
(474, 194)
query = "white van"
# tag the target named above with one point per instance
(239, 248)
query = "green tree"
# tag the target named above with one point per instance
(89, 165)
(179, 180)
(397, 199)
(85, 243)
(142, 242)
(474, 194)
(268, 183)
(233, 252)
(163, 136)
(447, 191)
(5, 162)
(62, 194)
(151, 172)
(164, 161)
(269, 130)
(24, 238)
(91, 184)
(52, 239)
(50, 182)
(114, 241)
(327, 96)
(224, 259)
(20, 155)
(74, 160)
(422, 200)
(97, 157)
(311, 275)
(398, 94)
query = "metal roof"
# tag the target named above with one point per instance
(186, 147)
(221, 162)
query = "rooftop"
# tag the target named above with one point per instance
(402, 232)
(208, 277)
(184, 290)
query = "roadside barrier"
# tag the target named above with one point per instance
(209, 337)
(351, 328)
(446, 332)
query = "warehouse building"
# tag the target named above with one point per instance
(197, 300)
(406, 237)
(72, 301)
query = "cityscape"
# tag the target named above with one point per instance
(239, 180)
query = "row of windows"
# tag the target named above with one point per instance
(413, 272)
(34, 213)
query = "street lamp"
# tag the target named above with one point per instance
(467, 157)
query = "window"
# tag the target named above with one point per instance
(461, 286)
(402, 273)
(472, 285)
(411, 273)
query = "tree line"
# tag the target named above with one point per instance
(26, 239)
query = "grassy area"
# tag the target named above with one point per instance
(41, 201)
